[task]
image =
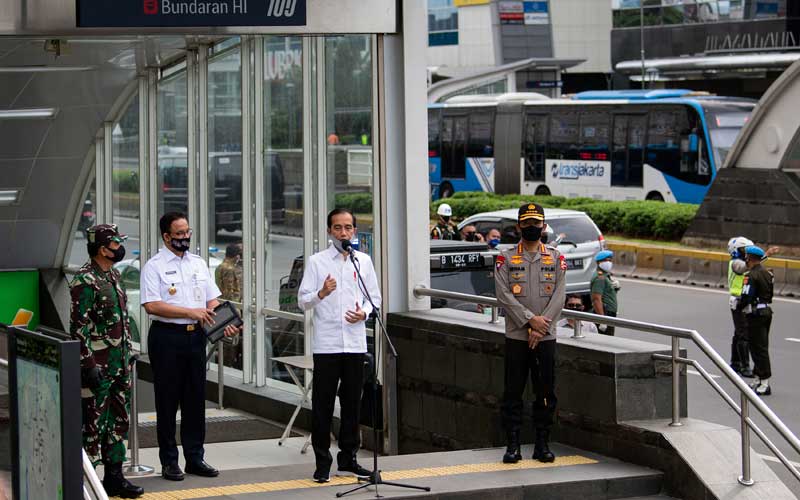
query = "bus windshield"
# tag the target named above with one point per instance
(724, 123)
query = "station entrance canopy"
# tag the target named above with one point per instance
(201, 17)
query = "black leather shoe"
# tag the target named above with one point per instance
(172, 472)
(201, 469)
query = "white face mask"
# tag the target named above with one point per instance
(606, 266)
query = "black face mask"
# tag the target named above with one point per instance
(471, 237)
(446, 219)
(181, 244)
(532, 233)
(119, 254)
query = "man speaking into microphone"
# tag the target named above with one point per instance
(331, 287)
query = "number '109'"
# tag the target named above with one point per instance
(281, 8)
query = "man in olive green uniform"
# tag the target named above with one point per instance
(444, 229)
(99, 319)
(228, 276)
(604, 290)
(757, 297)
(530, 285)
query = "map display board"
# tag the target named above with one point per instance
(46, 411)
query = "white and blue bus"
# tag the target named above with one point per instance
(617, 145)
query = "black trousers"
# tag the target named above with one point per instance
(758, 331)
(178, 359)
(539, 364)
(740, 344)
(329, 370)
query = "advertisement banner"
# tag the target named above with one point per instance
(511, 12)
(536, 12)
(580, 172)
(19, 298)
(467, 3)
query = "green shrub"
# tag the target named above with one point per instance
(126, 181)
(636, 219)
(359, 203)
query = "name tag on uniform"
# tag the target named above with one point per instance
(171, 272)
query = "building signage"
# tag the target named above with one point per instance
(189, 13)
(748, 41)
(467, 3)
(511, 12)
(536, 12)
(586, 173)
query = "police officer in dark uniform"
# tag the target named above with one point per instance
(530, 285)
(757, 297)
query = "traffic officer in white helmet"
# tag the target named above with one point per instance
(444, 229)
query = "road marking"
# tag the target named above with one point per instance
(791, 339)
(698, 288)
(693, 372)
(770, 458)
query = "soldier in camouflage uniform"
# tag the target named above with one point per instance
(229, 280)
(99, 319)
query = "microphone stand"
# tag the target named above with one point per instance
(375, 479)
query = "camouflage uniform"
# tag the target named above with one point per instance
(99, 319)
(443, 231)
(229, 279)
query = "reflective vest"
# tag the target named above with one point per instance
(735, 281)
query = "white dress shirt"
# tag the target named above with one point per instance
(586, 327)
(188, 276)
(332, 332)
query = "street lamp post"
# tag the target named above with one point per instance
(641, 37)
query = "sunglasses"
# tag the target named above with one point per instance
(575, 307)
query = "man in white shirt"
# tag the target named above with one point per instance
(332, 289)
(575, 303)
(180, 295)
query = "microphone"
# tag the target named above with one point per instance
(347, 246)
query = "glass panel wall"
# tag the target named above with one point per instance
(173, 176)
(86, 218)
(348, 118)
(225, 182)
(656, 12)
(125, 204)
(283, 198)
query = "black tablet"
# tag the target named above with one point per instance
(226, 314)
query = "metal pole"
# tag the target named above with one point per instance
(220, 376)
(745, 478)
(495, 320)
(576, 333)
(135, 469)
(641, 37)
(676, 383)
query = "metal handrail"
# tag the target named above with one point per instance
(92, 487)
(747, 396)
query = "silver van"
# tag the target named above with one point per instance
(580, 239)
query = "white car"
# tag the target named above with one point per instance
(129, 270)
(580, 239)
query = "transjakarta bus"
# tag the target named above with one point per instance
(617, 145)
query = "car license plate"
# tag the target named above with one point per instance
(574, 264)
(461, 260)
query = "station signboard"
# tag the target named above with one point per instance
(189, 13)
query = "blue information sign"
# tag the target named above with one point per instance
(189, 13)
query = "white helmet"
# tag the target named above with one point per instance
(734, 244)
(445, 211)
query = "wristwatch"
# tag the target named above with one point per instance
(529, 315)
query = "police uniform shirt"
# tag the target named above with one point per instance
(178, 281)
(332, 332)
(530, 284)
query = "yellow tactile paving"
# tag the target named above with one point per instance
(296, 484)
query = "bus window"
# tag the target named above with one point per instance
(434, 126)
(564, 127)
(663, 141)
(535, 147)
(594, 136)
(454, 140)
(480, 143)
(627, 150)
